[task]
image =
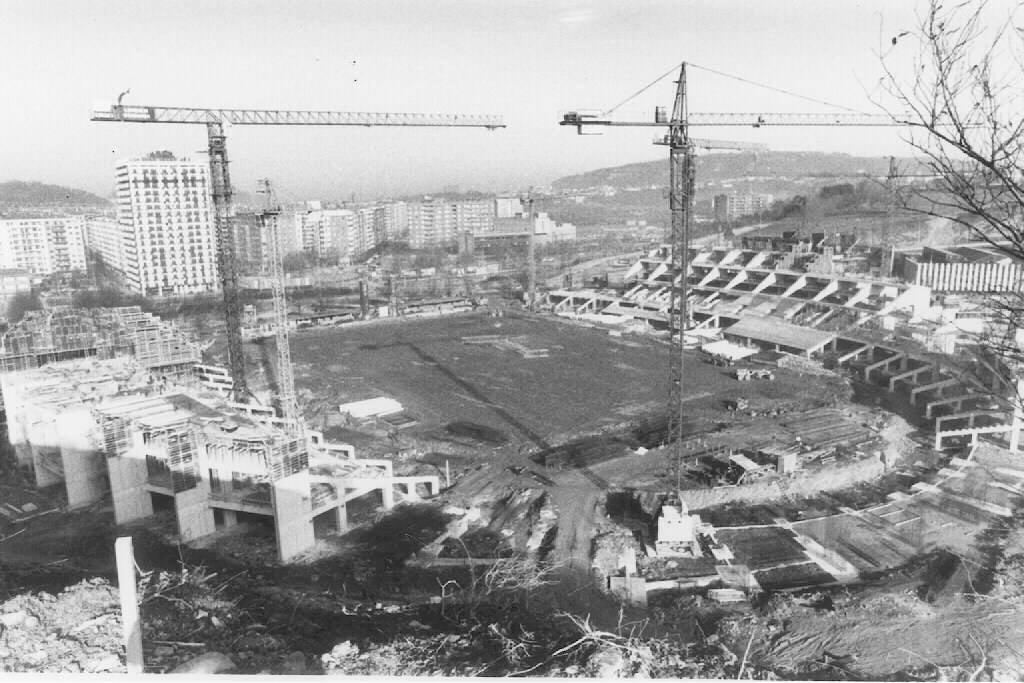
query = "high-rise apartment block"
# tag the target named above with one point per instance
(251, 244)
(43, 246)
(438, 222)
(731, 206)
(508, 206)
(346, 235)
(163, 241)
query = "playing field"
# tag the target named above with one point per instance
(589, 378)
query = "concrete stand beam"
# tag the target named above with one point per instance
(884, 363)
(846, 357)
(952, 381)
(909, 374)
(956, 401)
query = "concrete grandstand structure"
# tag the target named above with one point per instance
(977, 268)
(782, 301)
(727, 285)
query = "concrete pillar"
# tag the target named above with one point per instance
(387, 494)
(128, 489)
(195, 516)
(293, 511)
(341, 518)
(83, 476)
(230, 518)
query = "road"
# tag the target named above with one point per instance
(575, 497)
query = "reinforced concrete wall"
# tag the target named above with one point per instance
(195, 516)
(84, 470)
(128, 489)
(965, 276)
(293, 511)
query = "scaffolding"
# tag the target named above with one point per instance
(287, 457)
(64, 333)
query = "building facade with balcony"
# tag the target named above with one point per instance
(43, 246)
(166, 242)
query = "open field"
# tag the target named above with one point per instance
(589, 381)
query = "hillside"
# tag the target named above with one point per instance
(21, 193)
(719, 167)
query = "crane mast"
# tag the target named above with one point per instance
(220, 179)
(682, 149)
(287, 400)
(227, 258)
(681, 185)
(531, 259)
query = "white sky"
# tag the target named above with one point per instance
(527, 60)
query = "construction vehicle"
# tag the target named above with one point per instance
(747, 374)
(682, 150)
(721, 361)
(737, 404)
(220, 181)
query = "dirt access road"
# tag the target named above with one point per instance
(575, 498)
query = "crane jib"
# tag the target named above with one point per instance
(279, 117)
(751, 120)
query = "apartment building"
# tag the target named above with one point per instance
(731, 206)
(390, 221)
(345, 235)
(252, 248)
(43, 246)
(13, 281)
(165, 242)
(438, 222)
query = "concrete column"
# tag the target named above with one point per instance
(128, 489)
(230, 518)
(195, 516)
(387, 494)
(293, 510)
(341, 518)
(83, 476)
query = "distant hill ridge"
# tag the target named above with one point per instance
(726, 166)
(22, 193)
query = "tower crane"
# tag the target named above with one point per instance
(531, 256)
(286, 396)
(682, 149)
(220, 180)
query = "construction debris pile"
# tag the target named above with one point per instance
(76, 631)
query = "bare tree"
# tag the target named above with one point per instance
(957, 82)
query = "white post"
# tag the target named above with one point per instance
(129, 604)
(447, 475)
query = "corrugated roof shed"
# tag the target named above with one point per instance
(775, 331)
